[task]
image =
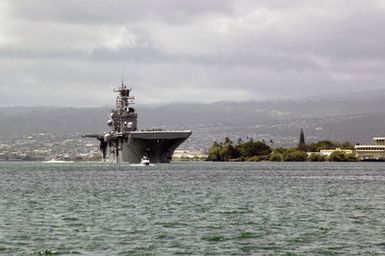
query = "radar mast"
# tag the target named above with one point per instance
(124, 117)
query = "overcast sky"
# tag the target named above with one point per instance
(74, 52)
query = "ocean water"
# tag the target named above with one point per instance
(192, 209)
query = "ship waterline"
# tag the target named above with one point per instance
(158, 146)
(125, 143)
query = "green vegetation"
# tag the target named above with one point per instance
(326, 144)
(248, 151)
(255, 151)
(288, 155)
(294, 155)
(340, 156)
(276, 157)
(314, 157)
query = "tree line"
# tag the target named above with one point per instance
(252, 150)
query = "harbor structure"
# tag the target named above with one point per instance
(328, 152)
(375, 152)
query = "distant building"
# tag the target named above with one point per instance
(328, 152)
(374, 152)
(189, 155)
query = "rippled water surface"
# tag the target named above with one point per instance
(192, 208)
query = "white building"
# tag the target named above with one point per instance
(374, 152)
(328, 152)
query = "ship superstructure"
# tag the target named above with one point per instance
(125, 143)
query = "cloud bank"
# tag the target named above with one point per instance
(74, 52)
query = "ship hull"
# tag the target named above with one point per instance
(158, 146)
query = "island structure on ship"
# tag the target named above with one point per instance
(125, 143)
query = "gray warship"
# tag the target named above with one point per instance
(125, 143)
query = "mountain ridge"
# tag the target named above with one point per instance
(350, 117)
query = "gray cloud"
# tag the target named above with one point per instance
(117, 11)
(72, 52)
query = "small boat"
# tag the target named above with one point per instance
(145, 161)
(57, 161)
(53, 161)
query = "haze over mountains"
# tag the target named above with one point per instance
(354, 117)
